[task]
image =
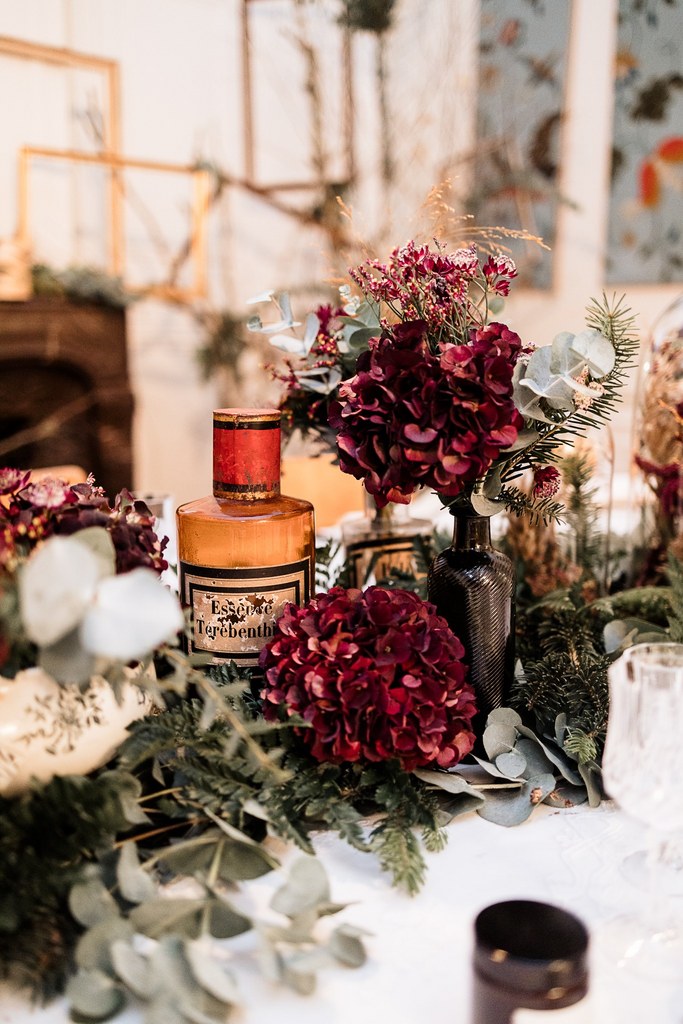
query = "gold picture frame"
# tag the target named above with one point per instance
(196, 249)
(25, 49)
(110, 157)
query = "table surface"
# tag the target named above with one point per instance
(419, 950)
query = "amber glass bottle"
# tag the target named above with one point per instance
(246, 550)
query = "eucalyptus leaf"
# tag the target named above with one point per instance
(132, 968)
(490, 768)
(560, 760)
(129, 792)
(90, 902)
(512, 807)
(163, 916)
(270, 962)
(450, 782)
(309, 961)
(306, 887)
(99, 542)
(163, 1009)
(241, 861)
(135, 884)
(368, 314)
(225, 922)
(346, 945)
(93, 950)
(504, 716)
(300, 982)
(456, 796)
(212, 973)
(565, 795)
(299, 928)
(536, 761)
(592, 778)
(499, 738)
(191, 855)
(513, 764)
(94, 995)
(66, 660)
(484, 506)
(194, 1014)
(172, 969)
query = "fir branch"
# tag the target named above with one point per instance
(399, 853)
(538, 510)
(675, 575)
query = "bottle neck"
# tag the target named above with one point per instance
(246, 454)
(472, 533)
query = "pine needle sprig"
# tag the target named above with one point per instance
(538, 510)
(675, 575)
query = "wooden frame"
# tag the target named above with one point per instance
(248, 113)
(111, 125)
(200, 207)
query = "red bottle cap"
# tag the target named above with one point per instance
(246, 453)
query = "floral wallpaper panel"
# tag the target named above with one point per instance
(522, 71)
(645, 241)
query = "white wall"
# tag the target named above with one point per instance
(181, 77)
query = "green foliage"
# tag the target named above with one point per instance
(538, 510)
(224, 345)
(565, 665)
(46, 836)
(675, 574)
(614, 320)
(80, 284)
(582, 512)
(183, 973)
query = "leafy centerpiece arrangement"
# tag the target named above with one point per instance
(367, 709)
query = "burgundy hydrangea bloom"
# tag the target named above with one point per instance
(32, 512)
(412, 417)
(376, 675)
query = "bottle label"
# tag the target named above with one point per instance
(234, 611)
(372, 561)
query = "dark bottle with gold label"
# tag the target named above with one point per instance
(246, 550)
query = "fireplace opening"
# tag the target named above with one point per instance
(65, 397)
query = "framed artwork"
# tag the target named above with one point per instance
(645, 234)
(522, 74)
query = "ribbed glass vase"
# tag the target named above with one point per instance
(473, 586)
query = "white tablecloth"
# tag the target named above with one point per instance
(418, 966)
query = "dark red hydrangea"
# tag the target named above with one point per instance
(376, 675)
(412, 417)
(32, 512)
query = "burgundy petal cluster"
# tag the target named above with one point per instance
(412, 417)
(376, 675)
(547, 480)
(33, 511)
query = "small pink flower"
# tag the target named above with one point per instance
(13, 479)
(546, 482)
(49, 493)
